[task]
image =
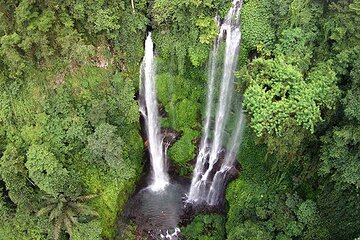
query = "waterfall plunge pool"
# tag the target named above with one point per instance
(157, 213)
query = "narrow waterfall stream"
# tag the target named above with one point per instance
(206, 185)
(149, 110)
(156, 207)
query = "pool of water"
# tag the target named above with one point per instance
(157, 214)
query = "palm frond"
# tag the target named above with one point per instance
(50, 199)
(45, 210)
(93, 213)
(78, 207)
(83, 209)
(70, 215)
(63, 211)
(85, 198)
(56, 211)
(57, 228)
(68, 225)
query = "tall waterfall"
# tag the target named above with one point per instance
(217, 186)
(205, 183)
(149, 109)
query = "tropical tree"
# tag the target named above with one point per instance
(284, 104)
(64, 212)
(48, 173)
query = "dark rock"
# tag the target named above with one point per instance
(162, 111)
(170, 136)
(233, 173)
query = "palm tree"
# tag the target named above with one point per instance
(63, 211)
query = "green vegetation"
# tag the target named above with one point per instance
(262, 204)
(256, 29)
(63, 212)
(67, 108)
(74, 143)
(205, 227)
(182, 101)
(300, 156)
(186, 29)
(69, 124)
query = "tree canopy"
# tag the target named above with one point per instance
(70, 128)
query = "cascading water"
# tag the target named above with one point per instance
(202, 155)
(219, 180)
(149, 109)
(205, 184)
(158, 212)
(156, 209)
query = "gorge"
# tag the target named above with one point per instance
(208, 182)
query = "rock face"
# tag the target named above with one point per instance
(191, 209)
(234, 172)
(169, 137)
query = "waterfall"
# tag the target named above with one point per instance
(218, 184)
(204, 183)
(149, 110)
(203, 150)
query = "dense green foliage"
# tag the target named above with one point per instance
(256, 29)
(183, 114)
(64, 212)
(205, 227)
(73, 143)
(262, 203)
(66, 113)
(300, 157)
(186, 29)
(69, 124)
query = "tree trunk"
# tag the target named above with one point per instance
(133, 5)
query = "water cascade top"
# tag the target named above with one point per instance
(205, 181)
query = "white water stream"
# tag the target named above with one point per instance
(149, 109)
(204, 184)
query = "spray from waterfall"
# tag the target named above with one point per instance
(149, 110)
(205, 183)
